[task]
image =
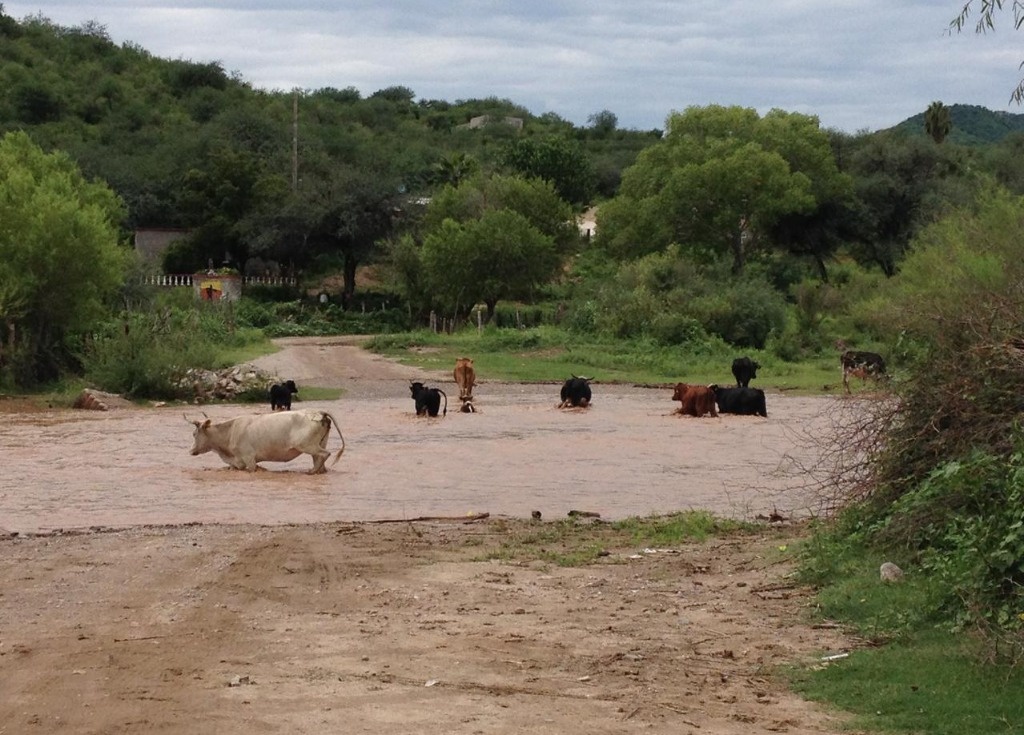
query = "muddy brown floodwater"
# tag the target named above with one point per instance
(626, 455)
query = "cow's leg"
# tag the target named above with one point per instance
(319, 462)
(316, 447)
(247, 462)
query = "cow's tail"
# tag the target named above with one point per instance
(445, 413)
(337, 428)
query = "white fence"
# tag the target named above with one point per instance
(187, 279)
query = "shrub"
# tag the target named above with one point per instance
(147, 355)
(937, 473)
(742, 313)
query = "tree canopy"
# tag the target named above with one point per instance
(719, 181)
(490, 238)
(60, 258)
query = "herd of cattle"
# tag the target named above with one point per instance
(283, 435)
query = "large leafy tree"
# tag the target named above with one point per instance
(534, 199)
(498, 256)
(901, 184)
(559, 160)
(60, 259)
(719, 181)
(490, 238)
(352, 210)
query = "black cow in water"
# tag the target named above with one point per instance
(281, 395)
(428, 400)
(745, 401)
(576, 392)
(744, 370)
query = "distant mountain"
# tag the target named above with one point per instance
(972, 124)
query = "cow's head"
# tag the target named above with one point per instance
(677, 393)
(200, 436)
(416, 387)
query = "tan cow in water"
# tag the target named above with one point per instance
(465, 378)
(282, 436)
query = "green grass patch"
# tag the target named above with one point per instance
(927, 683)
(252, 345)
(920, 673)
(677, 528)
(575, 541)
(549, 354)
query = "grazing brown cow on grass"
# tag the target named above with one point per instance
(694, 400)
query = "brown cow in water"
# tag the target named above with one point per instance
(694, 400)
(465, 378)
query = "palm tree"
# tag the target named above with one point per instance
(936, 121)
(454, 168)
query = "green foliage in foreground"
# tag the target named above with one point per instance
(60, 260)
(937, 486)
(577, 541)
(921, 674)
(550, 354)
(931, 684)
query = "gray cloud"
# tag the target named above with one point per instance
(856, 64)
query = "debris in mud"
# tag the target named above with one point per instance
(237, 681)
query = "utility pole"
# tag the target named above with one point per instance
(295, 140)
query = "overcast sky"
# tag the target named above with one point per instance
(856, 64)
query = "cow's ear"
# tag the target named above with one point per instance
(206, 424)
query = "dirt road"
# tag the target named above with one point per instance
(267, 603)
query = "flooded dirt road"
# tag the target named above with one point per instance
(255, 603)
(627, 455)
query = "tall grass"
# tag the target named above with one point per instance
(148, 353)
(552, 354)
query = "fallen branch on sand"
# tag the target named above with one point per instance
(462, 519)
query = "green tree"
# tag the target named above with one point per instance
(60, 254)
(454, 168)
(902, 183)
(937, 122)
(490, 238)
(561, 161)
(352, 211)
(719, 181)
(534, 199)
(499, 256)
(603, 123)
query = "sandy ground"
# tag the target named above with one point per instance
(184, 597)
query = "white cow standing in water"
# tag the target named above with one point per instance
(244, 441)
